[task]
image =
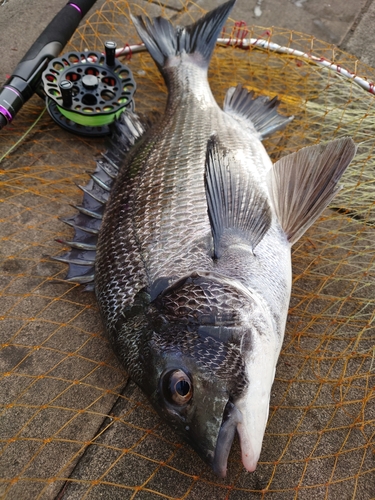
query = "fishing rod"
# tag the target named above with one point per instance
(26, 79)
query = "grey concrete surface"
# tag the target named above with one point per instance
(358, 42)
(63, 377)
(333, 21)
(328, 21)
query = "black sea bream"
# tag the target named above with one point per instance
(193, 258)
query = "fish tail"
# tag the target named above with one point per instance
(164, 41)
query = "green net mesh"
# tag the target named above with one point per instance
(72, 425)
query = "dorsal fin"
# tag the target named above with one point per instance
(86, 223)
(302, 184)
(259, 114)
(234, 206)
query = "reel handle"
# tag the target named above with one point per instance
(26, 77)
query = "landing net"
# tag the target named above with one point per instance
(72, 425)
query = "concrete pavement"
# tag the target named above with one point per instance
(346, 24)
(69, 418)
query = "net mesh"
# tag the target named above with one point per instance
(72, 425)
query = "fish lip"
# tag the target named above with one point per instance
(231, 418)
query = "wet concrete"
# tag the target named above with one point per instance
(333, 21)
(69, 411)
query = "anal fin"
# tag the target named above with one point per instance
(259, 113)
(303, 184)
(235, 208)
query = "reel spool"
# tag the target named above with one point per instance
(87, 91)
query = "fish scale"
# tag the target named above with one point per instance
(170, 214)
(193, 256)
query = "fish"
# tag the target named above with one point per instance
(185, 234)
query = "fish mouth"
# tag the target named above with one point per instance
(232, 417)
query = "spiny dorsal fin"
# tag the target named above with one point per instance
(126, 131)
(162, 40)
(234, 206)
(86, 223)
(259, 113)
(302, 184)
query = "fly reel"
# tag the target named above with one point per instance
(86, 91)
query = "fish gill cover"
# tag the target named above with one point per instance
(72, 426)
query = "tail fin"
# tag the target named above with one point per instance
(162, 40)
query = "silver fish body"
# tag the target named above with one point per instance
(193, 266)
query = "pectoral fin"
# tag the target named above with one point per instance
(303, 184)
(234, 206)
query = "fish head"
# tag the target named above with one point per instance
(187, 394)
(196, 369)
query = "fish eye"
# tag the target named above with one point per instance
(178, 387)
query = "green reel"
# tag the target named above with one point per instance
(86, 91)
